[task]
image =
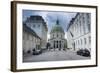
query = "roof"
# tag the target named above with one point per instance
(37, 18)
(71, 21)
(29, 30)
(57, 28)
(55, 38)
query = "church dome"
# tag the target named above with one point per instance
(57, 28)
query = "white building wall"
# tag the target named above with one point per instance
(40, 29)
(29, 42)
(44, 36)
(79, 29)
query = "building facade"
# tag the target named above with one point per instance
(79, 32)
(30, 39)
(39, 26)
(57, 37)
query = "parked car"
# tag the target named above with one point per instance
(37, 51)
(83, 52)
(80, 52)
(86, 53)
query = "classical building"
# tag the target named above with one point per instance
(79, 32)
(39, 26)
(57, 37)
(30, 39)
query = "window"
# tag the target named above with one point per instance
(80, 22)
(88, 16)
(84, 40)
(81, 41)
(88, 21)
(53, 35)
(83, 19)
(89, 39)
(61, 36)
(33, 25)
(78, 42)
(35, 40)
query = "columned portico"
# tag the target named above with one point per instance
(57, 44)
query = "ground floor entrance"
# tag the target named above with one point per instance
(57, 44)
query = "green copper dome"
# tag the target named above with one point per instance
(57, 28)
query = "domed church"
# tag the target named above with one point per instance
(57, 37)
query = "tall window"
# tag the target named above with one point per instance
(84, 40)
(80, 26)
(88, 21)
(81, 41)
(89, 39)
(78, 42)
(53, 35)
(61, 36)
(83, 19)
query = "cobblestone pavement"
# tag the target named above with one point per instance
(54, 56)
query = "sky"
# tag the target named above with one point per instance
(50, 17)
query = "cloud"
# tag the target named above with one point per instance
(63, 17)
(50, 17)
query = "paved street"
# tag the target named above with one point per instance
(54, 56)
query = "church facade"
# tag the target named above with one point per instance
(79, 32)
(57, 37)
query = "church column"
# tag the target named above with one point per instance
(53, 44)
(58, 44)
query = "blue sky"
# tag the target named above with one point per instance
(50, 17)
